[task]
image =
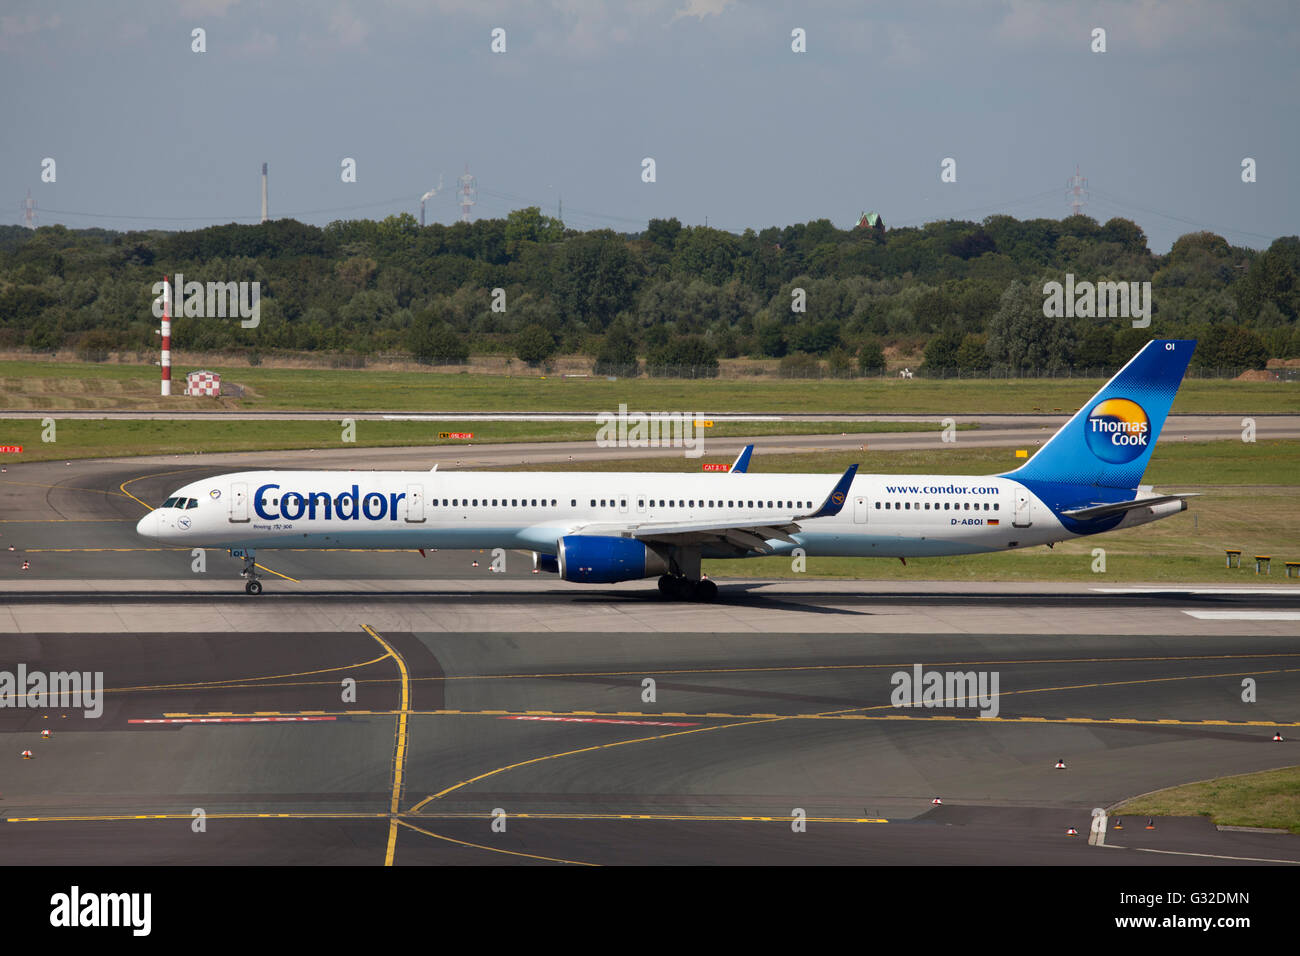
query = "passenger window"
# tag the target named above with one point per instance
(494, 502)
(877, 505)
(995, 506)
(623, 503)
(593, 502)
(602, 502)
(907, 505)
(573, 502)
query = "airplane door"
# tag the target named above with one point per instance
(860, 510)
(1023, 517)
(415, 504)
(239, 501)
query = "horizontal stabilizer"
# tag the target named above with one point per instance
(1119, 507)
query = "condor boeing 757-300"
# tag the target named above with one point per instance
(599, 528)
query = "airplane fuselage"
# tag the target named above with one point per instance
(883, 515)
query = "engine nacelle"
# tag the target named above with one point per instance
(597, 559)
(545, 562)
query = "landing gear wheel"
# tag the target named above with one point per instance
(676, 588)
(706, 591)
(253, 587)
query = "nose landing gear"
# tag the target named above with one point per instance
(252, 580)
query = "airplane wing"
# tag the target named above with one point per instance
(1119, 507)
(746, 532)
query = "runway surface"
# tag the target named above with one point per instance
(478, 692)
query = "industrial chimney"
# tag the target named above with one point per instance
(264, 192)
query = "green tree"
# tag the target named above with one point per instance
(535, 344)
(686, 356)
(941, 352)
(1021, 337)
(433, 341)
(871, 358)
(597, 279)
(529, 225)
(617, 355)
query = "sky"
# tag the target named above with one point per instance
(744, 131)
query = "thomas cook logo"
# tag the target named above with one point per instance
(1118, 430)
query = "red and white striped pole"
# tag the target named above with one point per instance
(167, 337)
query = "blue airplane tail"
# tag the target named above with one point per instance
(1110, 439)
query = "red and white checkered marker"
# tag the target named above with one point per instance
(203, 383)
(1072, 832)
(45, 733)
(27, 565)
(1277, 737)
(1060, 765)
(473, 564)
(936, 802)
(27, 755)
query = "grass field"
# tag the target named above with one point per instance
(63, 386)
(78, 438)
(1250, 500)
(1267, 799)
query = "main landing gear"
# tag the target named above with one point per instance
(677, 588)
(252, 580)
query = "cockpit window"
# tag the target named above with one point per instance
(170, 503)
(191, 503)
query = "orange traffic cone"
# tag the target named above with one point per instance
(1151, 824)
(1119, 824)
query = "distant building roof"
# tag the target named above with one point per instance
(871, 220)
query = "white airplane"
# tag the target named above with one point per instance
(600, 528)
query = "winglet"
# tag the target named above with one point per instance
(741, 464)
(835, 500)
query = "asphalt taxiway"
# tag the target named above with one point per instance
(384, 708)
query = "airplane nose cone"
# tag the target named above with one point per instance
(147, 527)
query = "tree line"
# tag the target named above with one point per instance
(667, 298)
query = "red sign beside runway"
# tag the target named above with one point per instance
(11, 449)
(719, 466)
(600, 720)
(455, 434)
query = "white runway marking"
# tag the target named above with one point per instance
(1187, 590)
(1245, 615)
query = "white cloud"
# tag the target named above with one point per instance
(702, 8)
(260, 43)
